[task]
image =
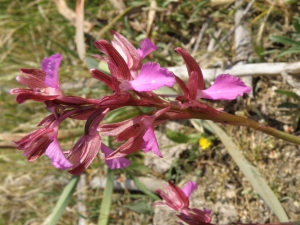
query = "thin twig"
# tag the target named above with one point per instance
(200, 35)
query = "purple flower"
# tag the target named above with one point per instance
(116, 163)
(146, 48)
(127, 72)
(151, 77)
(87, 147)
(43, 84)
(139, 132)
(44, 140)
(132, 56)
(57, 157)
(178, 200)
(225, 87)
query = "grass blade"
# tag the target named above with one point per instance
(296, 25)
(284, 40)
(289, 51)
(251, 173)
(288, 93)
(63, 201)
(106, 201)
(143, 189)
(219, 43)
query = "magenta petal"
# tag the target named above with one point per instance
(150, 142)
(189, 188)
(57, 157)
(147, 47)
(50, 66)
(115, 163)
(226, 87)
(151, 78)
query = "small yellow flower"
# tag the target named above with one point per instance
(204, 143)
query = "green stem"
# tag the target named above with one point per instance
(227, 118)
(237, 120)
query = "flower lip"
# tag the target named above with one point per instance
(151, 77)
(225, 87)
(116, 163)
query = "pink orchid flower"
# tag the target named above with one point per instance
(139, 132)
(88, 146)
(225, 87)
(195, 216)
(178, 200)
(43, 83)
(151, 75)
(116, 163)
(44, 140)
(132, 56)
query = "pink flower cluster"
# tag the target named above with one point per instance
(132, 84)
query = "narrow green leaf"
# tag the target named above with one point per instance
(143, 188)
(103, 67)
(290, 94)
(219, 43)
(165, 91)
(269, 52)
(290, 51)
(296, 25)
(106, 201)
(181, 138)
(251, 173)
(91, 62)
(140, 207)
(176, 136)
(296, 119)
(284, 40)
(135, 166)
(62, 202)
(287, 105)
(122, 114)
